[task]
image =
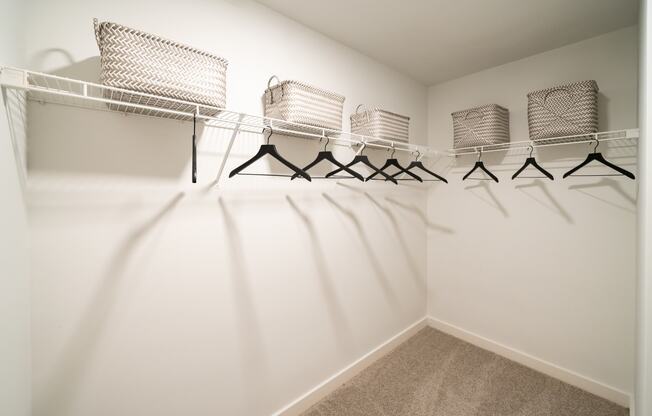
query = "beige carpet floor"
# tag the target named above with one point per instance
(435, 374)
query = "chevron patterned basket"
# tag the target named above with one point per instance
(145, 63)
(380, 123)
(480, 126)
(566, 110)
(301, 103)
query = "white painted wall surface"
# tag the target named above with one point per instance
(545, 268)
(154, 296)
(15, 369)
(644, 311)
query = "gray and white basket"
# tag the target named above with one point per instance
(145, 63)
(380, 123)
(566, 110)
(480, 126)
(301, 103)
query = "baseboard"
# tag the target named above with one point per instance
(592, 386)
(322, 390)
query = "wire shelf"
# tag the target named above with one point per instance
(605, 136)
(47, 88)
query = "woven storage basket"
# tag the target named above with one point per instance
(380, 123)
(480, 126)
(566, 110)
(300, 103)
(145, 63)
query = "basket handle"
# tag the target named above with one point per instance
(269, 83)
(357, 111)
(269, 88)
(96, 28)
(466, 116)
(566, 90)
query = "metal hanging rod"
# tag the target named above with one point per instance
(605, 136)
(47, 88)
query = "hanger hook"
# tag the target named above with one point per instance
(531, 149)
(270, 134)
(328, 139)
(393, 151)
(418, 154)
(362, 146)
(480, 153)
(597, 143)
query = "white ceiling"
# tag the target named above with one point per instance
(436, 40)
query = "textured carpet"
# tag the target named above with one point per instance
(435, 374)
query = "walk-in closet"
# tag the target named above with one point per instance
(325, 208)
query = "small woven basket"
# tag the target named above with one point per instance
(301, 103)
(380, 123)
(145, 63)
(566, 110)
(480, 126)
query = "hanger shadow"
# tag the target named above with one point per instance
(492, 201)
(79, 349)
(613, 184)
(383, 279)
(417, 276)
(253, 356)
(552, 204)
(340, 324)
(421, 215)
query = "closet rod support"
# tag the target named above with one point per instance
(194, 148)
(227, 152)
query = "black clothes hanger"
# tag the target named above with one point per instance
(599, 158)
(328, 156)
(481, 166)
(268, 149)
(194, 148)
(393, 162)
(363, 159)
(531, 161)
(416, 163)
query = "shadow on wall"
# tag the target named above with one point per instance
(418, 278)
(422, 216)
(253, 359)
(66, 378)
(374, 261)
(99, 142)
(484, 193)
(549, 202)
(603, 111)
(343, 335)
(85, 70)
(133, 145)
(629, 201)
(16, 107)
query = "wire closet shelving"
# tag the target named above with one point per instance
(47, 88)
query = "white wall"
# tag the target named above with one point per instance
(153, 296)
(644, 288)
(545, 268)
(14, 275)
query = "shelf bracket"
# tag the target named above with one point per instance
(234, 134)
